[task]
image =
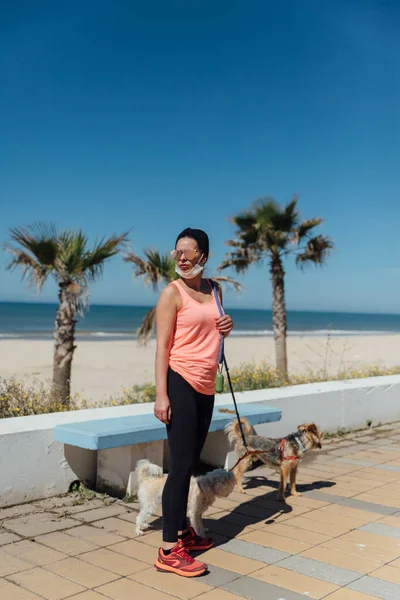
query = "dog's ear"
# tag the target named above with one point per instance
(312, 428)
(313, 431)
(315, 434)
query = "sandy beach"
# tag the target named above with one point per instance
(101, 369)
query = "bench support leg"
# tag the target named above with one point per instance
(116, 466)
(216, 450)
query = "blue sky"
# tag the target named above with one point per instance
(161, 115)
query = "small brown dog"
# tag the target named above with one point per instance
(283, 454)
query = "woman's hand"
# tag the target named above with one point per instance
(162, 409)
(224, 325)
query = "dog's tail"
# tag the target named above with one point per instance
(233, 430)
(147, 470)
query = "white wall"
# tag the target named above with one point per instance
(332, 404)
(33, 466)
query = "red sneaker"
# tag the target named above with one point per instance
(180, 562)
(193, 542)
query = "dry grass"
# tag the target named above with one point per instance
(250, 376)
(34, 397)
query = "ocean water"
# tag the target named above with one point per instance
(36, 321)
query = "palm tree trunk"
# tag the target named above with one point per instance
(64, 337)
(279, 314)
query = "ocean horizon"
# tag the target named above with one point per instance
(35, 320)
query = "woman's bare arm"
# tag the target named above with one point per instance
(166, 310)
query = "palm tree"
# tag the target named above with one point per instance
(41, 250)
(159, 269)
(270, 231)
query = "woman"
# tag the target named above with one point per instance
(189, 329)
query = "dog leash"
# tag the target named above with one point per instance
(222, 362)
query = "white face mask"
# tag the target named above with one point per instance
(194, 271)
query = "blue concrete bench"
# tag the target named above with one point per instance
(138, 429)
(121, 441)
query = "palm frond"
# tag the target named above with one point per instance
(265, 210)
(93, 261)
(289, 217)
(284, 219)
(229, 282)
(157, 269)
(164, 263)
(240, 260)
(34, 250)
(250, 238)
(39, 240)
(35, 273)
(244, 221)
(290, 209)
(268, 214)
(316, 251)
(147, 326)
(70, 259)
(274, 240)
(305, 227)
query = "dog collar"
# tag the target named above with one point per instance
(300, 443)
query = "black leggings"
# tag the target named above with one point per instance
(187, 432)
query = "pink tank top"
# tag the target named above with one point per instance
(195, 343)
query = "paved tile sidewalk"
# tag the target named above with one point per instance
(340, 540)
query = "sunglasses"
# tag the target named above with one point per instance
(189, 253)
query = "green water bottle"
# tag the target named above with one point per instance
(219, 382)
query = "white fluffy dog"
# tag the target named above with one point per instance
(203, 491)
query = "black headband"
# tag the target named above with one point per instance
(199, 235)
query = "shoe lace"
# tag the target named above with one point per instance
(181, 551)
